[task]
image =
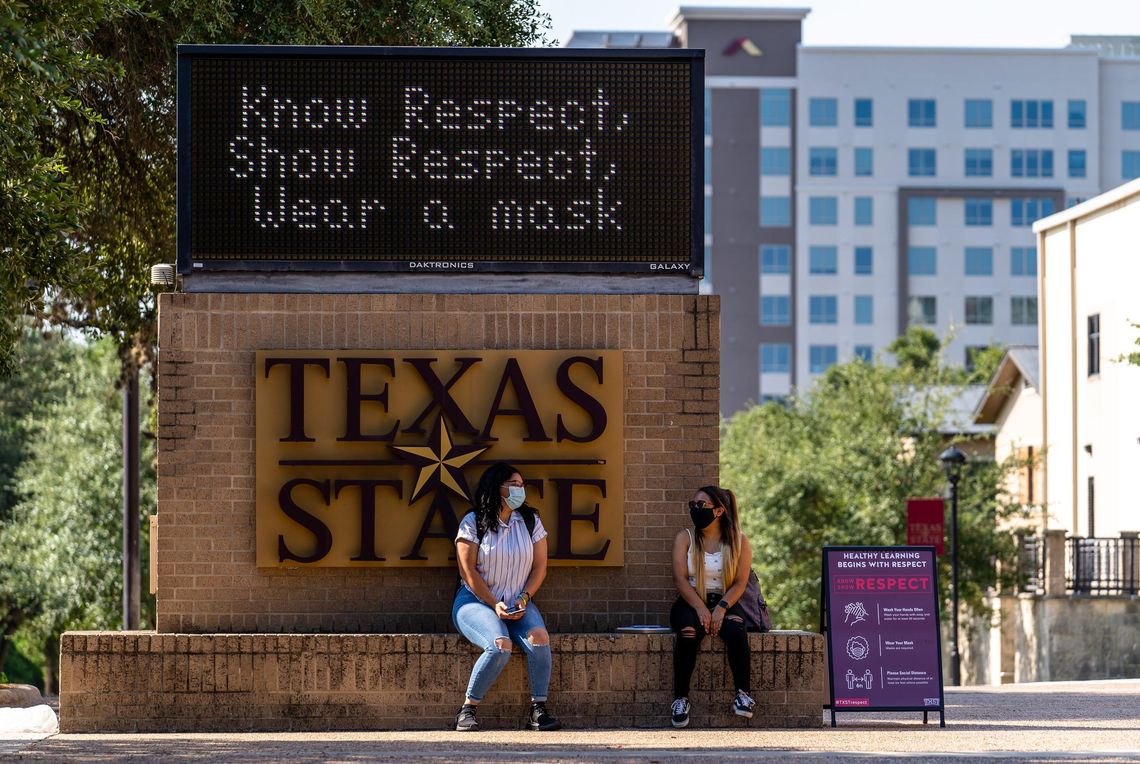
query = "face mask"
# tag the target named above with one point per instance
(516, 496)
(702, 516)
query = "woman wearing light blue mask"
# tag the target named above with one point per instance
(501, 550)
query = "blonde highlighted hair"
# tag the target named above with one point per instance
(729, 539)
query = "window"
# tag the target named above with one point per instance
(922, 211)
(1130, 164)
(1031, 163)
(775, 310)
(979, 261)
(864, 308)
(823, 210)
(979, 112)
(1077, 163)
(776, 161)
(923, 310)
(1130, 115)
(779, 400)
(920, 112)
(979, 163)
(1094, 344)
(1077, 113)
(922, 261)
(1092, 506)
(775, 107)
(1028, 113)
(775, 211)
(820, 357)
(823, 309)
(972, 353)
(864, 112)
(775, 259)
(864, 261)
(864, 162)
(1023, 311)
(864, 210)
(708, 112)
(1023, 261)
(823, 260)
(708, 165)
(708, 214)
(979, 310)
(822, 161)
(921, 163)
(865, 353)
(979, 212)
(823, 112)
(1023, 211)
(775, 358)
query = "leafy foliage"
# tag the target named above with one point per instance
(1133, 357)
(61, 538)
(44, 53)
(835, 467)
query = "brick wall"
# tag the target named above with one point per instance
(143, 682)
(207, 580)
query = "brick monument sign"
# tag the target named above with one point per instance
(397, 267)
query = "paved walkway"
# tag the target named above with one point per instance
(1061, 721)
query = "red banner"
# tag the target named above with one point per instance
(925, 524)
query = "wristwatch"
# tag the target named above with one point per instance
(723, 603)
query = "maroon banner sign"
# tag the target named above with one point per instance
(925, 523)
(881, 619)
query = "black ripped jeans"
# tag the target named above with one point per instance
(732, 631)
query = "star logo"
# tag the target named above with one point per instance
(440, 462)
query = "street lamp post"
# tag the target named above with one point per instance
(953, 461)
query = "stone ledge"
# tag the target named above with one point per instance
(149, 682)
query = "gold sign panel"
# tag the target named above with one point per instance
(371, 458)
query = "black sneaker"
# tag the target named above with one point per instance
(465, 720)
(744, 705)
(681, 712)
(541, 720)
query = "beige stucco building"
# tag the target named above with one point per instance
(1089, 286)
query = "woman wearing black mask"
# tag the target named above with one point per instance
(710, 569)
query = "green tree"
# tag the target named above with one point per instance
(62, 535)
(836, 465)
(44, 58)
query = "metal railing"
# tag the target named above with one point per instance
(1030, 564)
(1102, 566)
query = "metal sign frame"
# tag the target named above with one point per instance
(824, 627)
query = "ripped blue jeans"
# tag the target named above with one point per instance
(482, 627)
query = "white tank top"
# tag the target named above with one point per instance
(714, 568)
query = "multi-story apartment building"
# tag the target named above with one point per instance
(851, 192)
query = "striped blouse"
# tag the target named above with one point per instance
(505, 554)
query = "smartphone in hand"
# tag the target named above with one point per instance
(514, 610)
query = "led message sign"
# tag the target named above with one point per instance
(451, 160)
(371, 458)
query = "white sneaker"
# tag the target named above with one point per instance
(681, 712)
(744, 705)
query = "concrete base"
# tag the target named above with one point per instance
(148, 682)
(19, 696)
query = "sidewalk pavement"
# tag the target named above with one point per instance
(1097, 721)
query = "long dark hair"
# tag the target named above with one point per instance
(488, 500)
(729, 537)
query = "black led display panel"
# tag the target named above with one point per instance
(404, 159)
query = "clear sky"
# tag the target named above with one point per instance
(970, 23)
